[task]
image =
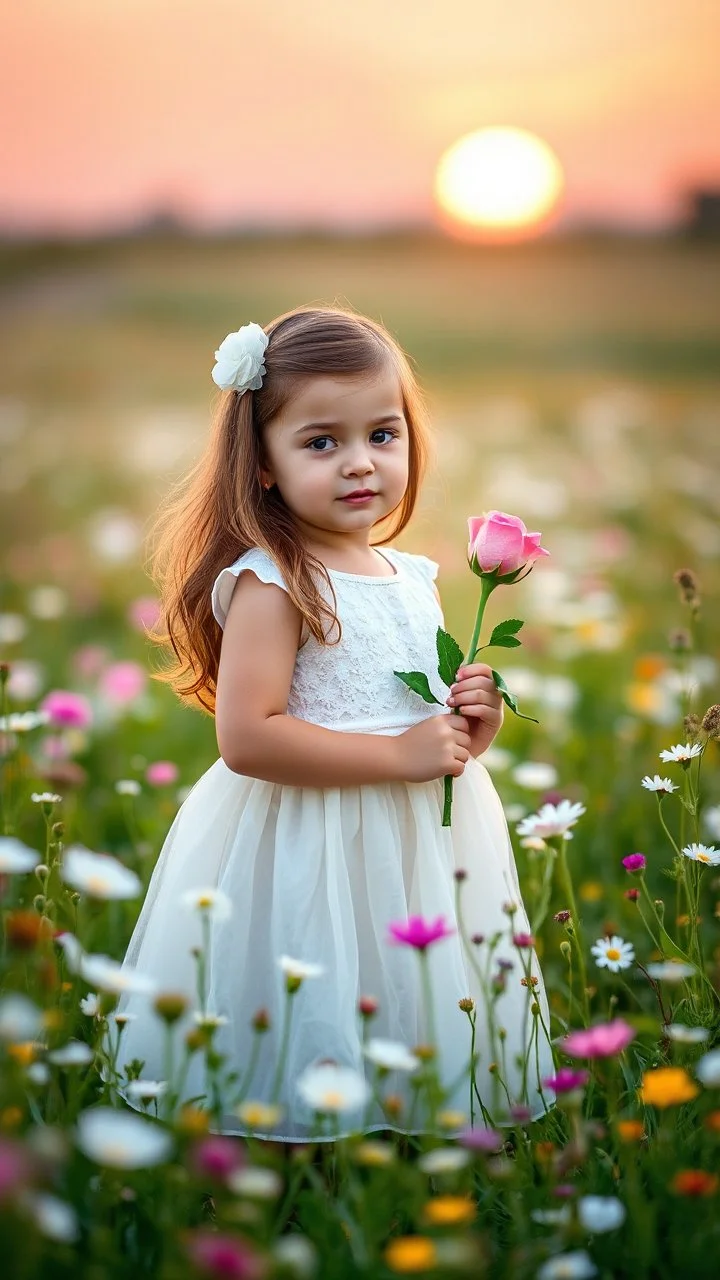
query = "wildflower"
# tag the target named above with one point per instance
(535, 775)
(146, 1091)
(529, 982)
(327, 1087)
(466, 1005)
(630, 1130)
(632, 895)
(162, 773)
(407, 1254)
(298, 970)
(603, 1040)
(613, 953)
(255, 1182)
(711, 722)
(488, 1140)
(577, 1265)
(418, 932)
(707, 1069)
(705, 853)
(216, 1253)
(561, 917)
(598, 1214)
(567, 1080)
(121, 1141)
(106, 974)
(99, 875)
(451, 1119)
(15, 857)
(712, 1121)
(20, 1019)
(367, 1006)
(523, 940)
(192, 1121)
(216, 1156)
(686, 1035)
(122, 682)
(170, 1006)
(443, 1160)
(296, 1254)
(373, 1154)
(449, 1211)
(24, 930)
(391, 1055)
(209, 1021)
(680, 754)
(70, 710)
(670, 971)
(54, 1218)
(45, 797)
(695, 1182)
(591, 891)
(635, 862)
(689, 586)
(127, 787)
(73, 1054)
(260, 1021)
(210, 902)
(259, 1115)
(23, 721)
(667, 1087)
(144, 613)
(552, 820)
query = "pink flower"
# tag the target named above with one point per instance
(227, 1257)
(162, 773)
(481, 1139)
(122, 682)
(418, 932)
(216, 1157)
(501, 543)
(635, 862)
(523, 940)
(601, 1041)
(89, 660)
(144, 613)
(14, 1167)
(71, 710)
(566, 1079)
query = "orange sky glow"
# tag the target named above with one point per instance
(334, 113)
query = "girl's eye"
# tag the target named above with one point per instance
(385, 431)
(317, 440)
(320, 440)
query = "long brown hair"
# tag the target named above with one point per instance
(221, 510)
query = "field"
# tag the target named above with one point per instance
(575, 384)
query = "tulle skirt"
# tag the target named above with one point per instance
(318, 875)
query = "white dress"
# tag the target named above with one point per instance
(318, 874)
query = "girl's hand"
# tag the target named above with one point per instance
(475, 695)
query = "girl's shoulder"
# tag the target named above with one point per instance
(415, 565)
(258, 562)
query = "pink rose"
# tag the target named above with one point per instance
(501, 543)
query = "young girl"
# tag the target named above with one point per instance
(320, 824)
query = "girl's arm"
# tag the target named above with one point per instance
(256, 736)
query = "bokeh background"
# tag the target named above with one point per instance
(174, 170)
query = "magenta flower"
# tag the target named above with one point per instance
(216, 1157)
(523, 940)
(224, 1256)
(635, 862)
(501, 543)
(66, 709)
(481, 1140)
(566, 1079)
(418, 932)
(601, 1041)
(162, 773)
(122, 682)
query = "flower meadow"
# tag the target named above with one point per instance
(612, 800)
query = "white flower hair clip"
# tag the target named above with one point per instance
(239, 360)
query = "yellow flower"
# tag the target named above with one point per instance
(451, 1119)
(192, 1120)
(667, 1087)
(630, 1130)
(448, 1211)
(591, 891)
(259, 1115)
(10, 1117)
(23, 1053)
(374, 1153)
(410, 1254)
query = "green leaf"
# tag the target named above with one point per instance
(509, 698)
(450, 656)
(508, 628)
(418, 682)
(502, 642)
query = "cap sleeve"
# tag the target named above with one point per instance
(259, 562)
(430, 568)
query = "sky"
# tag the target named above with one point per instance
(335, 113)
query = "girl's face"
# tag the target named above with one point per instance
(338, 436)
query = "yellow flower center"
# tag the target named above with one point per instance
(332, 1100)
(612, 953)
(410, 1253)
(702, 857)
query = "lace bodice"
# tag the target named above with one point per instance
(388, 624)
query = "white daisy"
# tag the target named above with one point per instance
(20, 1019)
(211, 902)
(613, 953)
(658, 784)
(681, 752)
(255, 1182)
(299, 968)
(391, 1055)
(99, 875)
(23, 721)
(327, 1087)
(127, 787)
(711, 821)
(15, 857)
(444, 1160)
(707, 1069)
(535, 775)
(686, 1035)
(551, 820)
(705, 853)
(52, 1216)
(90, 1005)
(73, 1054)
(109, 975)
(121, 1141)
(598, 1214)
(45, 797)
(210, 1020)
(146, 1090)
(577, 1265)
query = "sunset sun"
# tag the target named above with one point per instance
(497, 183)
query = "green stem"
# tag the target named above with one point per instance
(486, 588)
(577, 939)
